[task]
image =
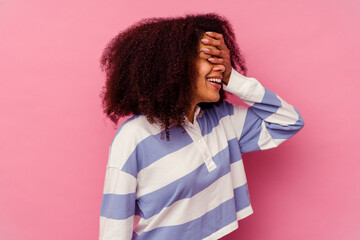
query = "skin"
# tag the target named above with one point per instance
(213, 60)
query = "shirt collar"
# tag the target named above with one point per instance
(196, 111)
(197, 114)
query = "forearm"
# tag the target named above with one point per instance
(270, 120)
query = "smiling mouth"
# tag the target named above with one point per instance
(214, 80)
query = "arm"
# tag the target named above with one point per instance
(119, 195)
(268, 121)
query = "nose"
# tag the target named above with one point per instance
(219, 68)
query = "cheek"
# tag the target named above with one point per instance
(205, 69)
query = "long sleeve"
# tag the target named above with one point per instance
(119, 195)
(267, 122)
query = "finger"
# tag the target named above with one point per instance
(219, 37)
(211, 51)
(216, 60)
(215, 35)
(211, 41)
(204, 55)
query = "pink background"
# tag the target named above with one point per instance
(54, 138)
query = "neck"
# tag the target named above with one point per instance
(190, 116)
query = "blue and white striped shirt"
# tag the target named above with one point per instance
(193, 186)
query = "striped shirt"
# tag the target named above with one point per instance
(193, 186)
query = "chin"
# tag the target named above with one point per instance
(217, 97)
(214, 99)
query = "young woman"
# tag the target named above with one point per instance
(175, 169)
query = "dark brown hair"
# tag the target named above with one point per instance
(150, 67)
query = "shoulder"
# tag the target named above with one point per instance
(127, 137)
(137, 128)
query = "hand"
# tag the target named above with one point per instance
(220, 55)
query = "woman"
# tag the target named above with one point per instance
(175, 169)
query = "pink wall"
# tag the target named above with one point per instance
(54, 139)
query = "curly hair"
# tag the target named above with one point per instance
(150, 67)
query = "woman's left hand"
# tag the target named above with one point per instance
(222, 53)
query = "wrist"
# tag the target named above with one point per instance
(226, 78)
(235, 82)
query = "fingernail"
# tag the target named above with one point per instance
(205, 40)
(208, 32)
(211, 59)
(206, 50)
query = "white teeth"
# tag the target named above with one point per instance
(217, 80)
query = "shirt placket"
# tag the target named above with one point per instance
(199, 141)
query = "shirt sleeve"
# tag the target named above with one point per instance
(267, 122)
(118, 202)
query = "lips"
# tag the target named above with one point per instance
(215, 81)
(216, 85)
